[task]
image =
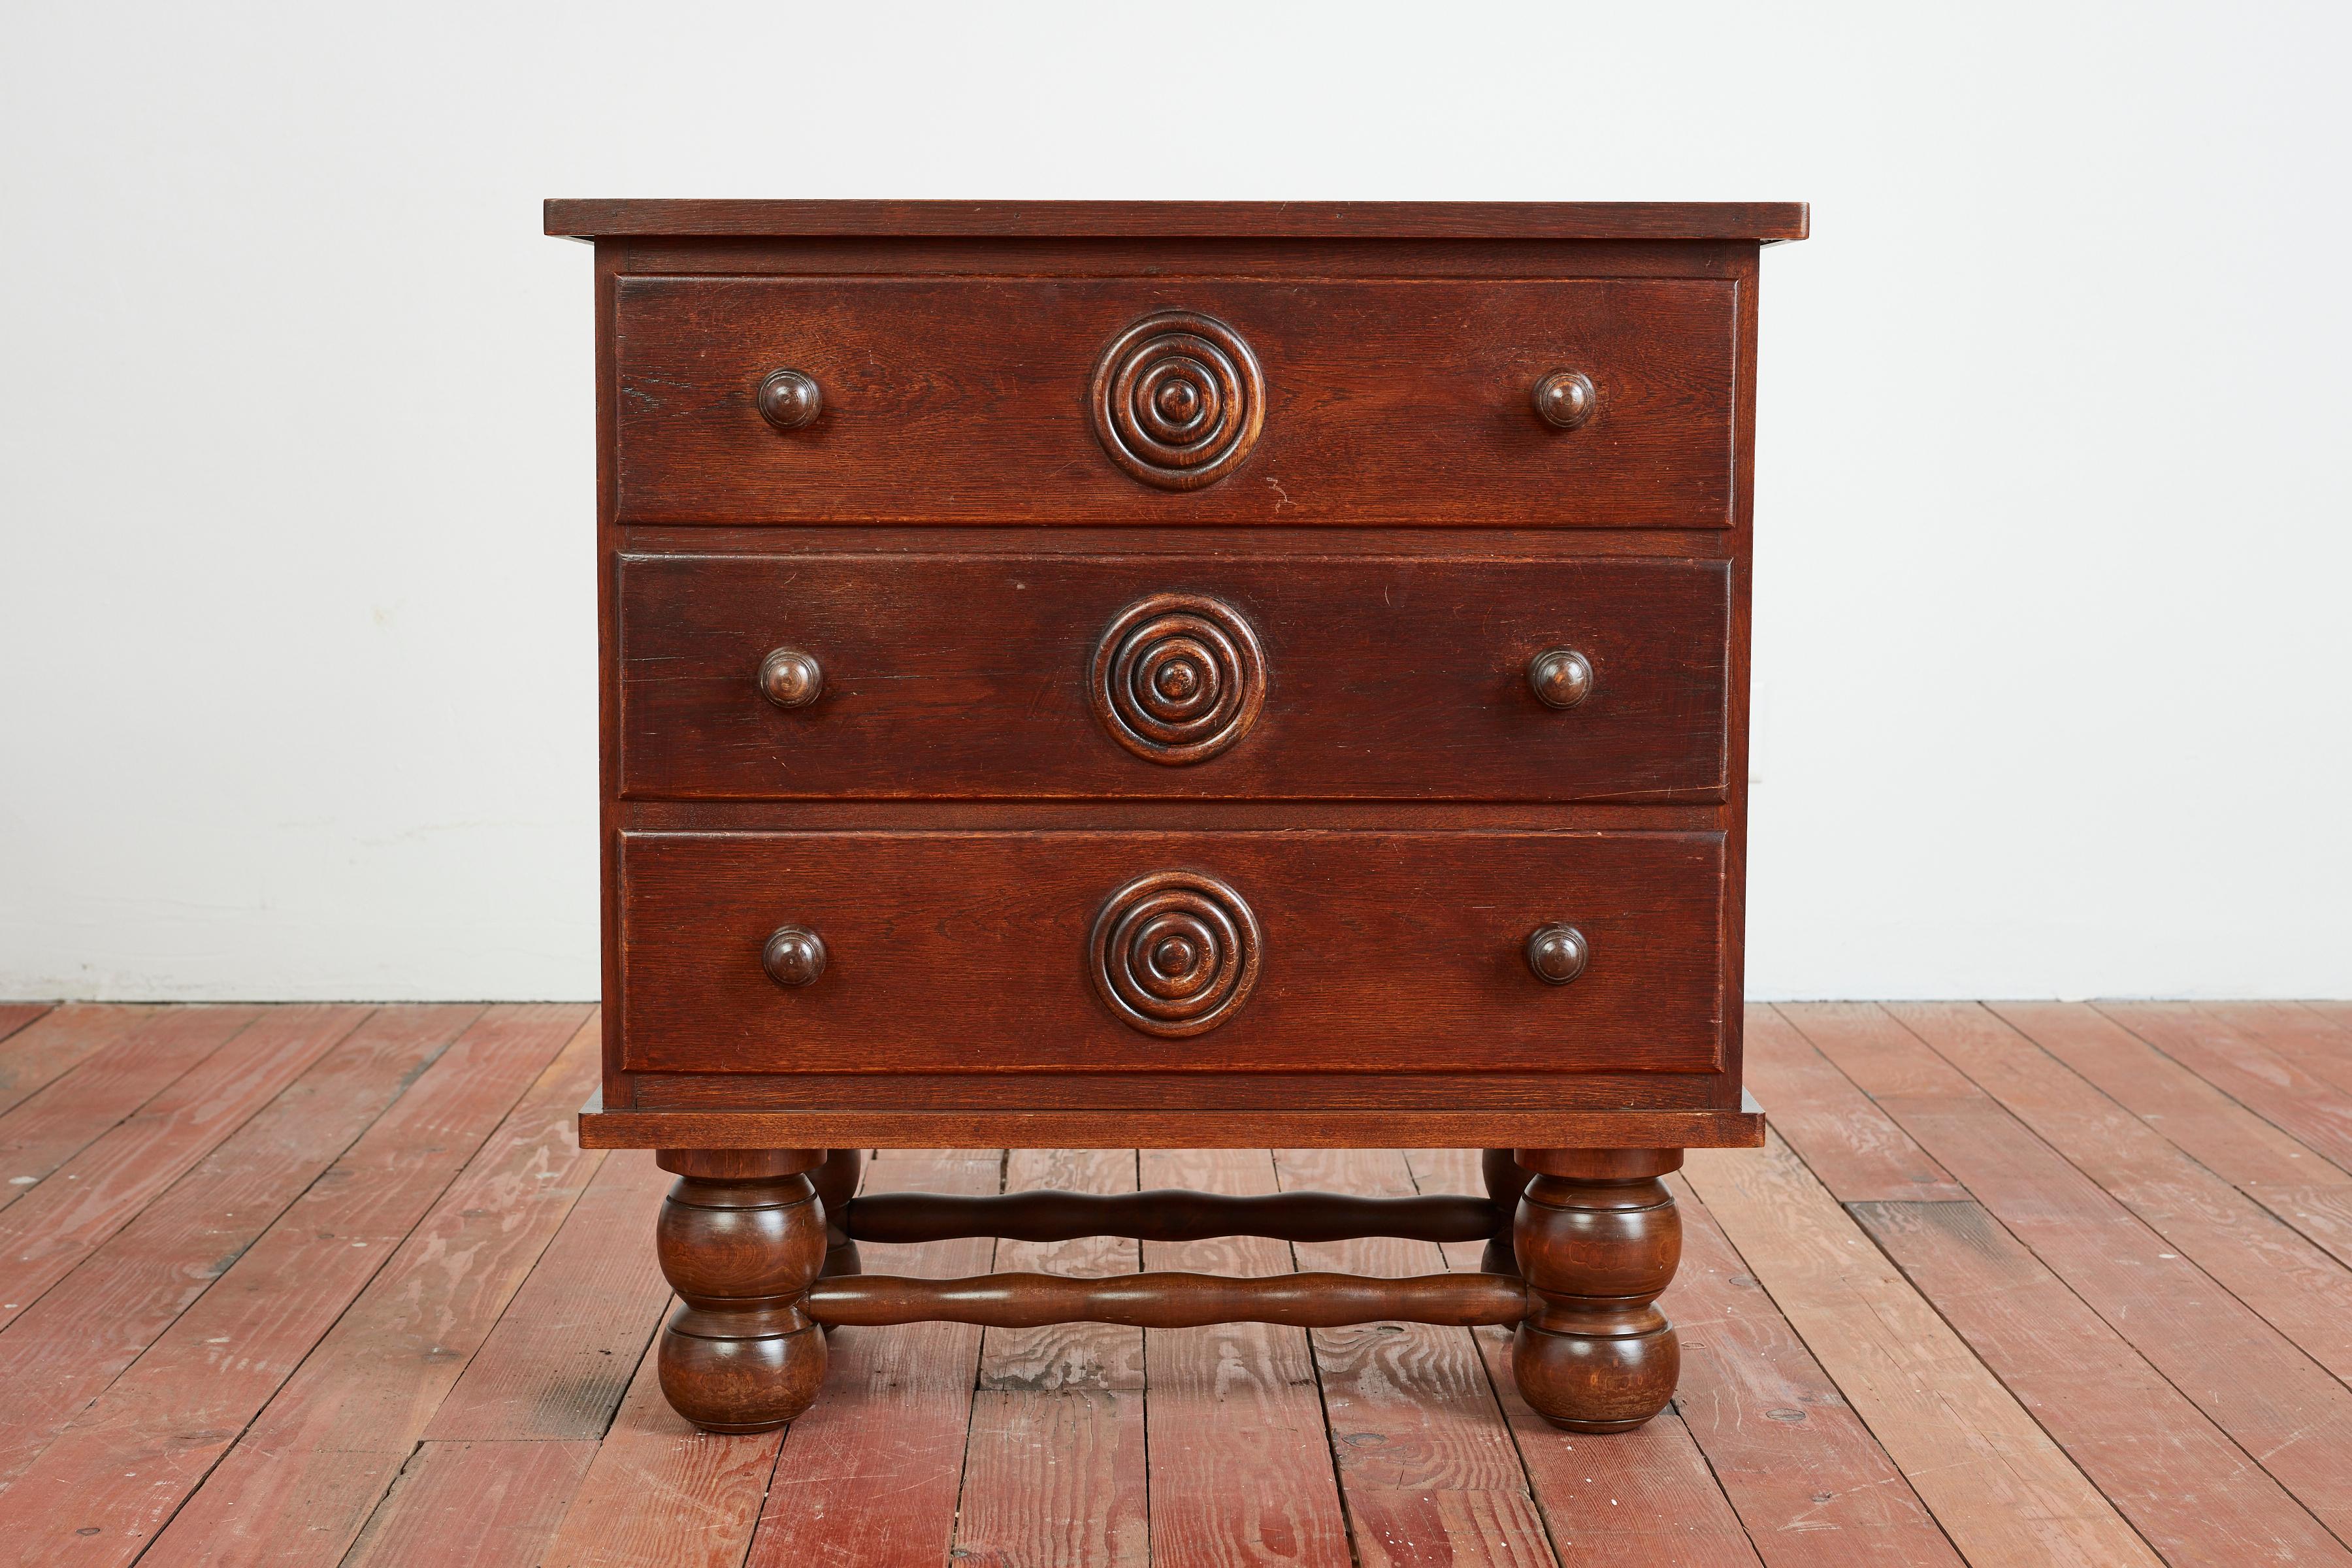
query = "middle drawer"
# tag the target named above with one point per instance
(959, 676)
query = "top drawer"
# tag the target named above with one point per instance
(1201, 401)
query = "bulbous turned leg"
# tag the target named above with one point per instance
(1597, 1238)
(741, 1239)
(1505, 1180)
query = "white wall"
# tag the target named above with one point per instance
(296, 507)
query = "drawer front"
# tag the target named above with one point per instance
(1232, 952)
(795, 400)
(953, 676)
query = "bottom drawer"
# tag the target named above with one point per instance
(1232, 952)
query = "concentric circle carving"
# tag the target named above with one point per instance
(1175, 952)
(1178, 400)
(1177, 677)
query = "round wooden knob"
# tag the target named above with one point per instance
(793, 956)
(789, 399)
(1557, 953)
(1559, 677)
(791, 678)
(1566, 398)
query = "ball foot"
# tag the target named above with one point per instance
(1597, 1237)
(741, 1239)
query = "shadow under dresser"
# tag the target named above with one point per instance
(1177, 675)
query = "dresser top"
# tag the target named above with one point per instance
(1766, 221)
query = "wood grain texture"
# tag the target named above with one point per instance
(1241, 1469)
(1809, 1480)
(65, 1348)
(1152, 1092)
(2037, 1324)
(1065, 1355)
(41, 1048)
(2001, 1490)
(74, 1110)
(2193, 1494)
(871, 1473)
(2315, 1044)
(1429, 1477)
(1165, 220)
(2247, 1376)
(1350, 1126)
(959, 418)
(473, 1505)
(970, 675)
(1379, 949)
(1171, 1215)
(65, 1219)
(15, 1015)
(1643, 1499)
(963, 401)
(2226, 1137)
(2249, 1251)
(1648, 1496)
(1849, 1144)
(1054, 1467)
(561, 1356)
(661, 1494)
(2284, 1092)
(1167, 1299)
(154, 1435)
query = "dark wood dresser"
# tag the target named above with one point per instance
(1109, 674)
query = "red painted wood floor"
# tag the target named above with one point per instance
(2013, 1284)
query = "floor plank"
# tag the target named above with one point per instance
(319, 1458)
(473, 1505)
(2208, 1124)
(196, 1330)
(2002, 1491)
(2267, 1264)
(1812, 1486)
(1241, 1468)
(661, 1494)
(67, 1217)
(1055, 1479)
(1427, 1470)
(1857, 1154)
(42, 1050)
(1644, 1499)
(2191, 1492)
(2298, 1102)
(86, 1102)
(126, 1463)
(1054, 1472)
(2278, 1171)
(2309, 1039)
(561, 1356)
(62, 1351)
(871, 1474)
(15, 1015)
(2277, 1404)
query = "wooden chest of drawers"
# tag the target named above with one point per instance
(1190, 674)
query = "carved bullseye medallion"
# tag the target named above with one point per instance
(1178, 400)
(1177, 677)
(1174, 953)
